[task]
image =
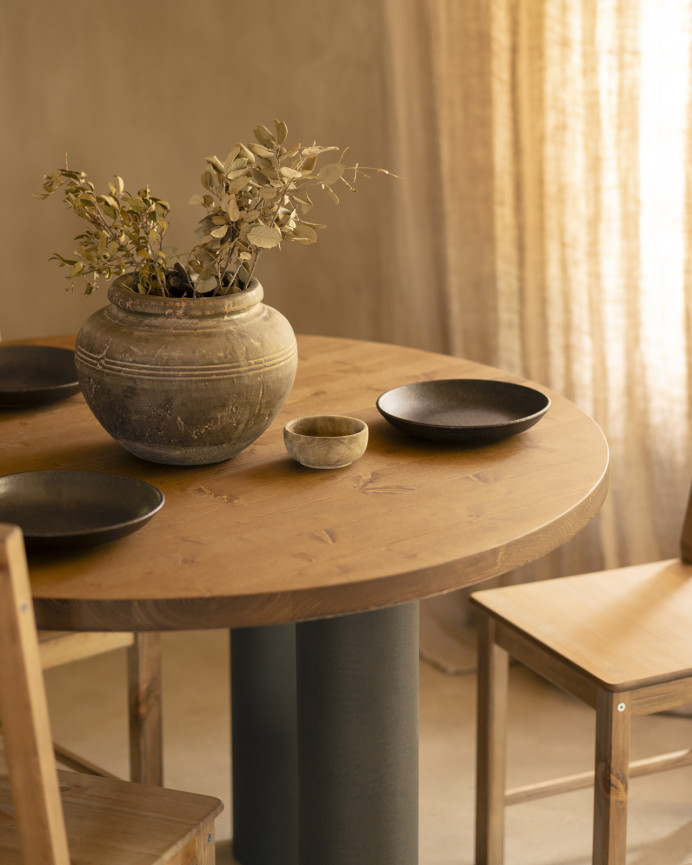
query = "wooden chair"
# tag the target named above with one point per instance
(43, 813)
(144, 694)
(619, 640)
(143, 698)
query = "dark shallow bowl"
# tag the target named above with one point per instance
(463, 410)
(71, 509)
(35, 374)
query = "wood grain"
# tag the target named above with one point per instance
(261, 540)
(623, 629)
(43, 812)
(144, 694)
(38, 824)
(620, 641)
(64, 647)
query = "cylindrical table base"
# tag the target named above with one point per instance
(264, 736)
(358, 738)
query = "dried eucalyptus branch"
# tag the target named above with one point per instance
(255, 198)
(125, 235)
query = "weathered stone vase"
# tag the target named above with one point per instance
(185, 381)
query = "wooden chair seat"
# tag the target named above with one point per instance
(619, 640)
(114, 822)
(51, 818)
(619, 629)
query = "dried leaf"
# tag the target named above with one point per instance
(281, 131)
(308, 165)
(237, 185)
(330, 173)
(264, 236)
(205, 286)
(304, 200)
(197, 199)
(232, 209)
(261, 150)
(270, 194)
(216, 163)
(304, 233)
(228, 161)
(315, 150)
(290, 173)
(219, 232)
(264, 136)
(236, 173)
(248, 154)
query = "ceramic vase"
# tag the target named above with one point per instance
(185, 381)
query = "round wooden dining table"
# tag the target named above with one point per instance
(317, 574)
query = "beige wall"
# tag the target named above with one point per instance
(147, 90)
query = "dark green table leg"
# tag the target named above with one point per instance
(358, 738)
(264, 736)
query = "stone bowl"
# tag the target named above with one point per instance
(326, 441)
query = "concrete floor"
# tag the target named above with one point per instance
(550, 734)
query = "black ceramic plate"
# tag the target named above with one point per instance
(69, 509)
(35, 374)
(464, 410)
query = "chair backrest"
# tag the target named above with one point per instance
(686, 539)
(24, 713)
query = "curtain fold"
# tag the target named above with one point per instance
(555, 153)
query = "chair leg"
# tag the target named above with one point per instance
(205, 848)
(144, 687)
(493, 664)
(613, 720)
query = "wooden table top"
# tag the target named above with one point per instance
(261, 540)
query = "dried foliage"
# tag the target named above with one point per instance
(254, 199)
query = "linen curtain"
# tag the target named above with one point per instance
(547, 229)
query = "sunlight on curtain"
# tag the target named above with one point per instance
(562, 137)
(615, 38)
(510, 353)
(561, 134)
(665, 28)
(567, 263)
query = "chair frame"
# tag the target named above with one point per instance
(144, 697)
(174, 827)
(615, 707)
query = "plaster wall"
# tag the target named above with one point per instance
(147, 90)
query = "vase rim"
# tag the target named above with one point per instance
(122, 295)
